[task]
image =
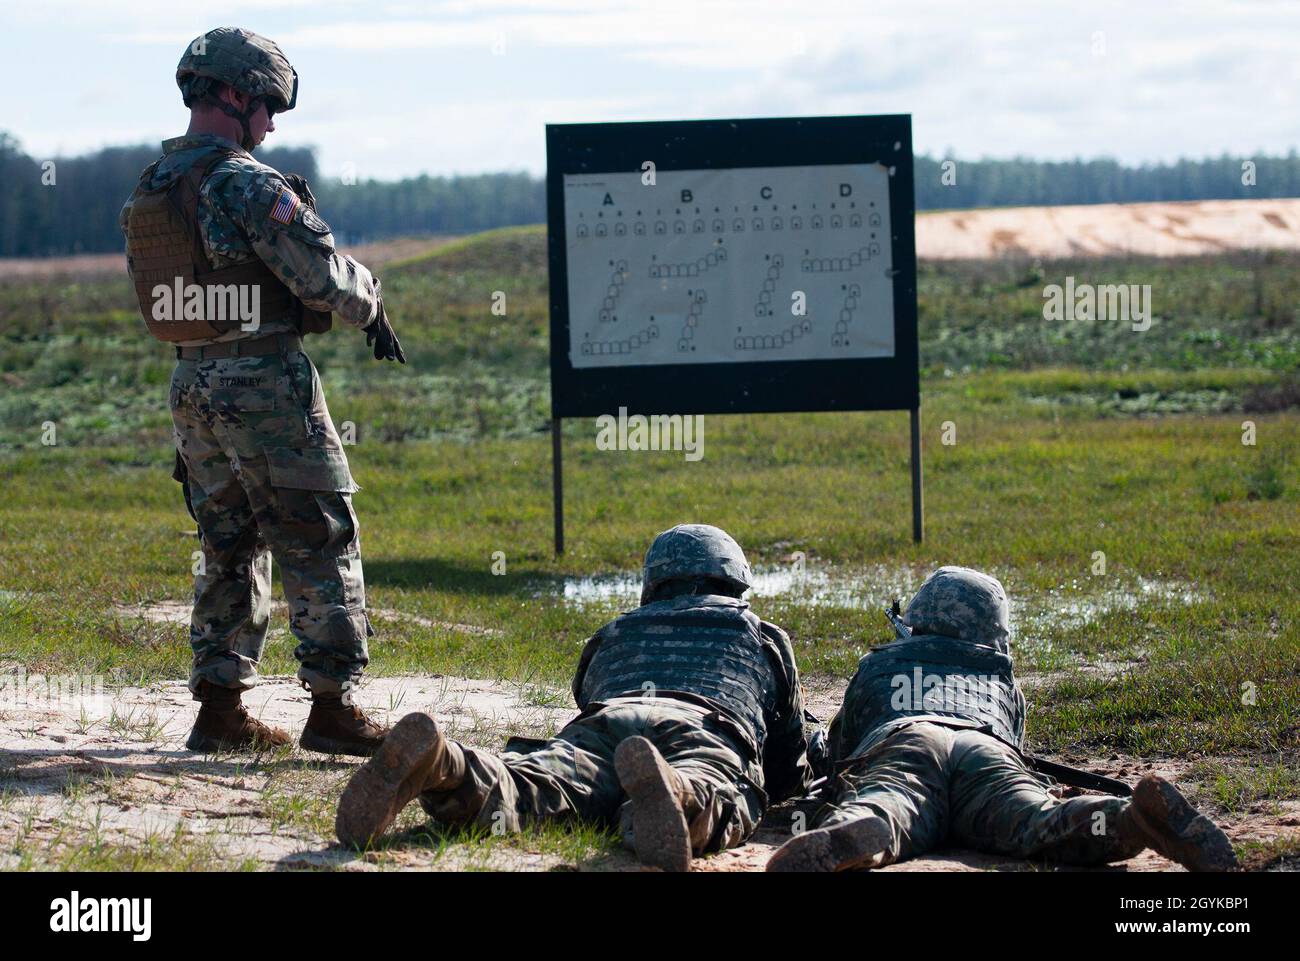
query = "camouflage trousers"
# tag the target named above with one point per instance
(572, 777)
(267, 476)
(932, 784)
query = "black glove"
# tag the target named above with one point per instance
(298, 184)
(380, 333)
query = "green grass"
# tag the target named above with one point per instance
(474, 848)
(1071, 439)
(1275, 854)
(1223, 340)
(82, 530)
(1237, 787)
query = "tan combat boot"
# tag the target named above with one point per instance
(863, 842)
(223, 724)
(415, 756)
(656, 794)
(1174, 829)
(334, 727)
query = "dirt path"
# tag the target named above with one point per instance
(116, 774)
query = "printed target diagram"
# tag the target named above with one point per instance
(729, 265)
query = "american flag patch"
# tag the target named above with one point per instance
(285, 207)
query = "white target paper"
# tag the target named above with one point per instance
(732, 265)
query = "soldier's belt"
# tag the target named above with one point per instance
(255, 347)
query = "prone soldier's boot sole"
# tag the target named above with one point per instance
(852, 844)
(659, 832)
(390, 780)
(1177, 830)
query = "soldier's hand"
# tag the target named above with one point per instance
(387, 346)
(298, 184)
(380, 334)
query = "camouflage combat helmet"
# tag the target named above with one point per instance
(694, 550)
(249, 63)
(962, 603)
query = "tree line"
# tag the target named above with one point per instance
(1020, 182)
(70, 205)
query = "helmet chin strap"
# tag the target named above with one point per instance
(243, 117)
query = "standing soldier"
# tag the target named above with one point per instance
(692, 722)
(232, 265)
(928, 746)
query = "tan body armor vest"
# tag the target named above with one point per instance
(164, 248)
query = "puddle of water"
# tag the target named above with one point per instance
(820, 587)
(1073, 605)
(1069, 605)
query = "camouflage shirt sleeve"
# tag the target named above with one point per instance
(842, 735)
(296, 244)
(786, 767)
(835, 749)
(588, 652)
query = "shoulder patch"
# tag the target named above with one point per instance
(285, 207)
(312, 221)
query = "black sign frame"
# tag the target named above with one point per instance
(874, 383)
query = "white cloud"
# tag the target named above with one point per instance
(410, 86)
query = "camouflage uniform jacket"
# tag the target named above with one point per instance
(783, 746)
(235, 216)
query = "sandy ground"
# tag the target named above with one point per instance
(1153, 229)
(1166, 229)
(116, 772)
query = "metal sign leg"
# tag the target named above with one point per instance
(557, 483)
(918, 508)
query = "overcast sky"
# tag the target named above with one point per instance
(465, 87)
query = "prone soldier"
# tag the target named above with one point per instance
(928, 749)
(692, 723)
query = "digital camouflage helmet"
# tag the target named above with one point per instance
(690, 551)
(241, 59)
(962, 603)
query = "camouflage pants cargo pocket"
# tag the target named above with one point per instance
(320, 563)
(268, 476)
(302, 384)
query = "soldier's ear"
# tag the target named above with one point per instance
(236, 98)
